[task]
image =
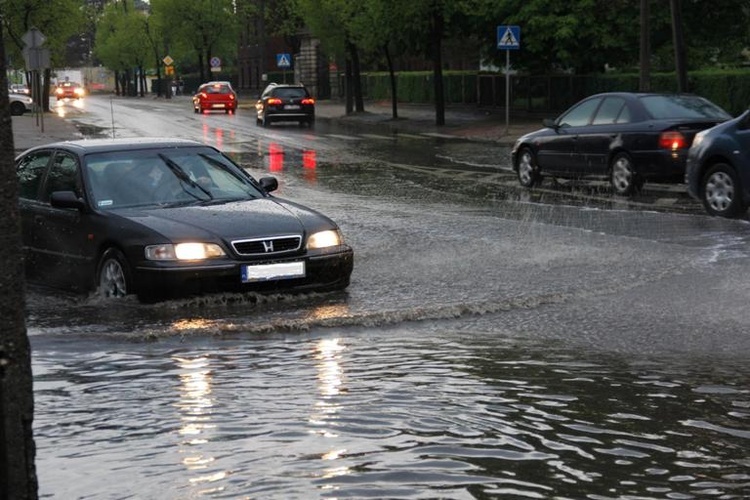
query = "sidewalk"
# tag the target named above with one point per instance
(464, 121)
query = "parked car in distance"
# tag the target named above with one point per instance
(19, 88)
(69, 90)
(718, 167)
(215, 96)
(165, 217)
(285, 102)
(20, 104)
(625, 138)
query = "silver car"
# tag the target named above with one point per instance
(20, 104)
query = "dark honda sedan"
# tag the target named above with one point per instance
(625, 138)
(718, 167)
(164, 217)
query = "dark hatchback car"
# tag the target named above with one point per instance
(718, 167)
(285, 102)
(165, 217)
(625, 138)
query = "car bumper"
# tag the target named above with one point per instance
(325, 271)
(291, 115)
(661, 164)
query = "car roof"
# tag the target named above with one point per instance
(87, 146)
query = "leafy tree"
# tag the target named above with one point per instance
(122, 43)
(208, 27)
(58, 20)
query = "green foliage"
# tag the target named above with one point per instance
(121, 41)
(58, 20)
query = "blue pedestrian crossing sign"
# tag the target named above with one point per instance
(283, 61)
(508, 37)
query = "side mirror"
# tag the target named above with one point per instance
(269, 184)
(66, 199)
(549, 123)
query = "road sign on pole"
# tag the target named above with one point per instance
(283, 61)
(508, 38)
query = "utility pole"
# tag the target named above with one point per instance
(680, 60)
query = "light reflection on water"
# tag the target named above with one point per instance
(357, 414)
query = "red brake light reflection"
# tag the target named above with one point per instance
(672, 140)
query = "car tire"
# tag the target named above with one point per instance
(721, 192)
(17, 108)
(113, 275)
(527, 169)
(623, 177)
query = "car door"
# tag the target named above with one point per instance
(31, 170)
(62, 244)
(556, 151)
(595, 140)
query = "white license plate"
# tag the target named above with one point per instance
(291, 106)
(218, 105)
(266, 272)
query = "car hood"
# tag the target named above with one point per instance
(228, 221)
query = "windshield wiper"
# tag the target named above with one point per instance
(180, 173)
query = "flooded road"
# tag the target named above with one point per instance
(492, 344)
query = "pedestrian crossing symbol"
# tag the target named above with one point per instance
(283, 61)
(508, 37)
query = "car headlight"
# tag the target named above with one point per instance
(324, 239)
(184, 251)
(699, 138)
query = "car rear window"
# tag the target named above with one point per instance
(670, 107)
(290, 92)
(217, 89)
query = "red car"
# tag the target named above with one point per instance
(69, 90)
(215, 96)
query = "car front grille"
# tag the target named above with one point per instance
(268, 246)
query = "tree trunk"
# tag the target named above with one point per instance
(644, 84)
(437, 61)
(348, 87)
(394, 84)
(17, 449)
(359, 102)
(679, 46)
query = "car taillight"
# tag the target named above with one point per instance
(672, 140)
(58, 91)
(274, 101)
(308, 100)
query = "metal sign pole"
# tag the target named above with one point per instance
(507, 91)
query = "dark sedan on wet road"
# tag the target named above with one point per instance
(159, 217)
(626, 138)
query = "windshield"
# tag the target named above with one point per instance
(662, 107)
(166, 177)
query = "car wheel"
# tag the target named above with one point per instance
(528, 171)
(113, 276)
(623, 177)
(721, 191)
(17, 108)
